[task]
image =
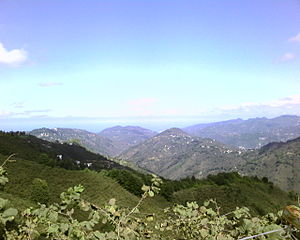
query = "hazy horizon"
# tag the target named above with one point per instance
(96, 125)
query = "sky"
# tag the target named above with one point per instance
(95, 63)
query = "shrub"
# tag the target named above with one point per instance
(39, 191)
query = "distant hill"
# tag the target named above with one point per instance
(175, 154)
(92, 141)
(252, 133)
(128, 136)
(279, 162)
(110, 142)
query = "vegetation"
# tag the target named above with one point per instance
(39, 191)
(60, 221)
(131, 181)
(69, 156)
(230, 190)
(126, 204)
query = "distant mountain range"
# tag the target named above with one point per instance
(249, 134)
(175, 154)
(252, 133)
(110, 142)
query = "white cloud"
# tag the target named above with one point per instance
(49, 84)
(287, 57)
(295, 39)
(32, 113)
(4, 113)
(12, 57)
(277, 103)
(292, 100)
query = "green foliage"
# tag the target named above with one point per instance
(76, 217)
(190, 221)
(58, 221)
(231, 190)
(196, 222)
(40, 191)
(7, 213)
(132, 181)
(128, 180)
(45, 159)
(224, 178)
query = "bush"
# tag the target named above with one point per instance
(40, 191)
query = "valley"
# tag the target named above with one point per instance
(200, 150)
(59, 174)
(192, 169)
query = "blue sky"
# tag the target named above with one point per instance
(101, 63)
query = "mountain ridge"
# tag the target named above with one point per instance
(252, 133)
(127, 136)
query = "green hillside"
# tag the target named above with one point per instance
(36, 158)
(66, 155)
(229, 189)
(98, 188)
